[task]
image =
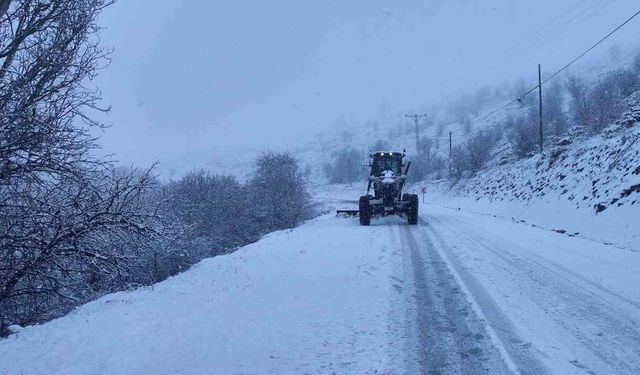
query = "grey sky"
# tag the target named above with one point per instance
(194, 79)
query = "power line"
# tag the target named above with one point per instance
(559, 29)
(497, 109)
(562, 29)
(583, 53)
(519, 99)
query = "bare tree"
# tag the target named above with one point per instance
(594, 108)
(579, 105)
(459, 161)
(478, 147)
(523, 134)
(555, 119)
(62, 240)
(68, 221)
(49, 50)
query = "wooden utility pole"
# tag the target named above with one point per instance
(416, 118)
(450, 152)
(540, 105)
(349, 166)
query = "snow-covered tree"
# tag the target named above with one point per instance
(61, 208)
(278, 192)
(215, 207)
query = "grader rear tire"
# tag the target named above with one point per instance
(412, 209)
(364, 210)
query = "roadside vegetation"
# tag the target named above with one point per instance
(74, 226)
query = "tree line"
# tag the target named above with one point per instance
(74, 226)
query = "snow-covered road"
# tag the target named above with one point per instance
(458, 293)
(554, 303)
(445, 334)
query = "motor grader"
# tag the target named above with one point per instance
(384, 190)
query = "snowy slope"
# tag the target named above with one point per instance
(590, 188)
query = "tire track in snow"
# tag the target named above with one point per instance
(570, 303)
(448, 336)
(515, 350)
(570, 275)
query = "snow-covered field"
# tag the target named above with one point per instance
(462, 292)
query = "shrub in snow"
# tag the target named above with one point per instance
(596, 107)
(277, 193)
(523, 134)
(606, 104)
(214, 207)
(478, 147)
(626, 81)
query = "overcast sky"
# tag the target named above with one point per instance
(192, 80)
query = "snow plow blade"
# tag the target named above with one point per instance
(347, 212)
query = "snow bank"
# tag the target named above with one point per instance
(301, 301)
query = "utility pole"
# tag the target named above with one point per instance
(416, 118)
(450, 153)
(540, 104)
(349, 165)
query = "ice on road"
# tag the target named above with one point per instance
(458, 293)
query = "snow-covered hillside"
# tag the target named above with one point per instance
(589, 187)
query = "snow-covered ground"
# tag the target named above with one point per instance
(588, 189)
(462, 292)
(311, 300)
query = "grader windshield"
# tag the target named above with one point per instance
(386, 161)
